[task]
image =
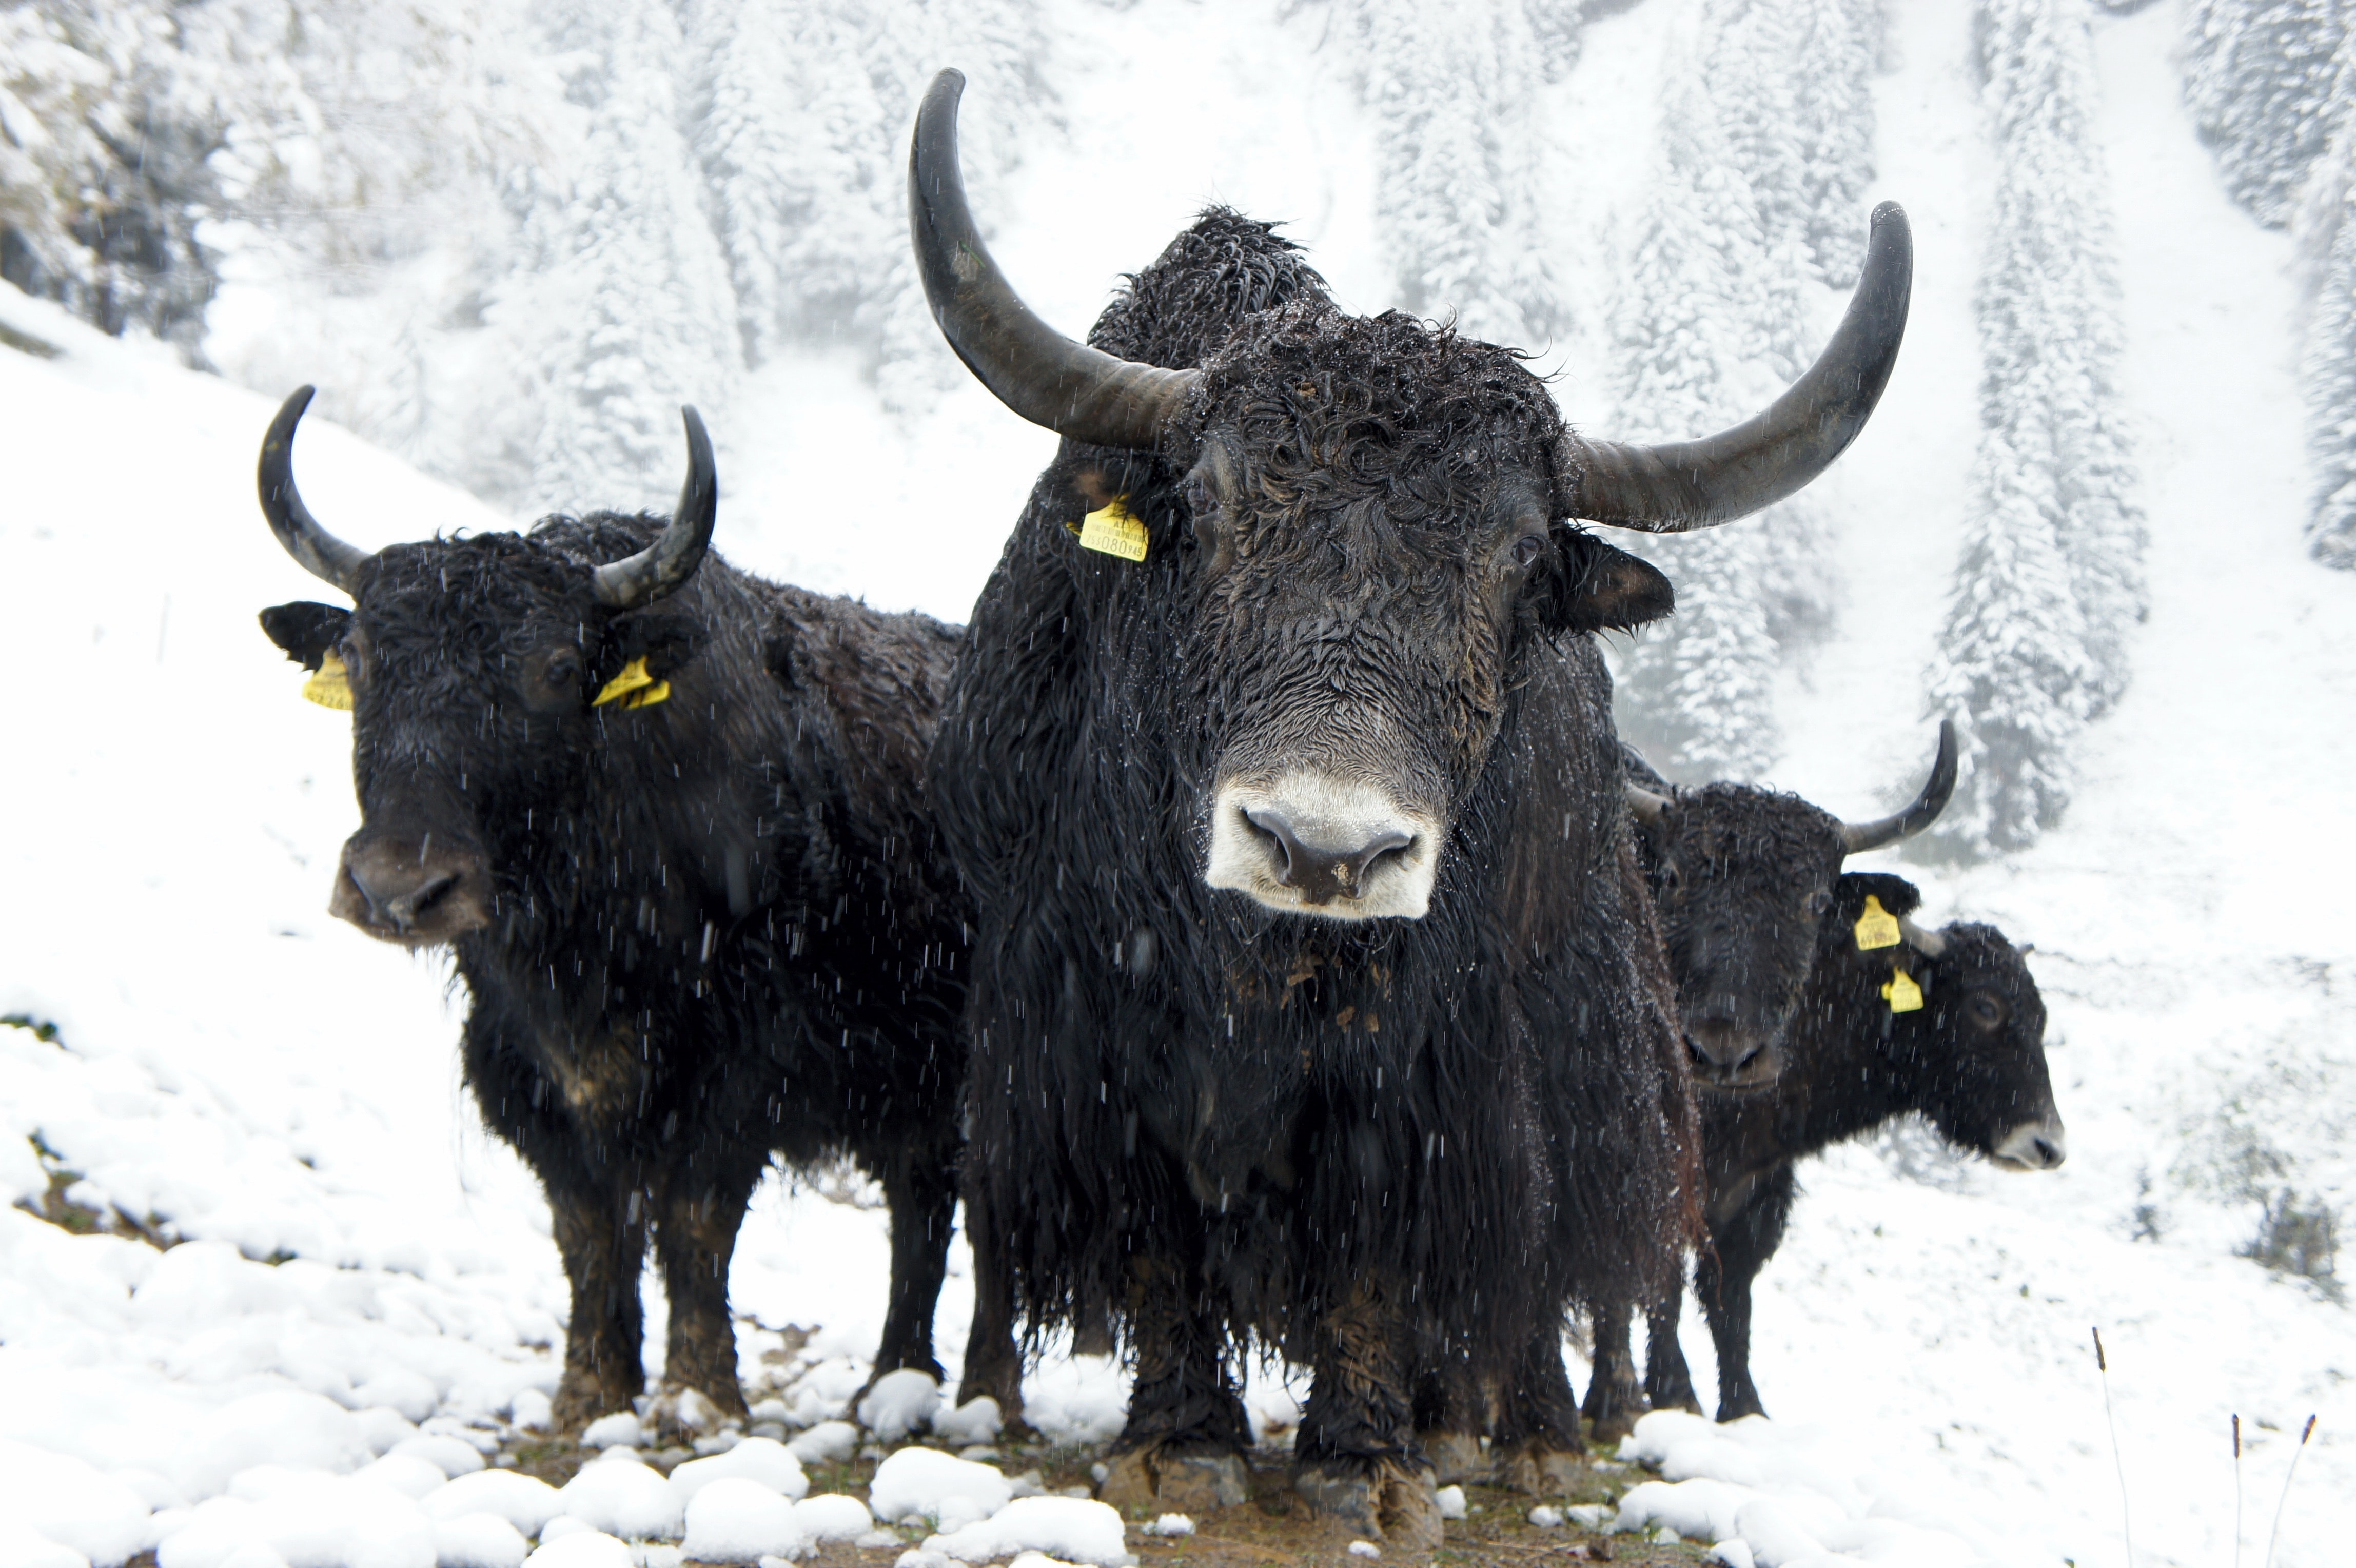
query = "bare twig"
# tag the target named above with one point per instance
(2126, 1522)
(2237, 1490)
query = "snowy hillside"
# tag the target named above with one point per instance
(235, 1070)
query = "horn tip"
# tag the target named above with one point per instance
(1889, 213)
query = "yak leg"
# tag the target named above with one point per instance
(1614, 1398)
(920, 1193)
(992, 1367)
(1182, 1450)
(1357, 1460)
(1668, 1381)
(1722, 1279)
(1538, 1440)
(601, 1233)
(1452, 1412)
(697, 1217)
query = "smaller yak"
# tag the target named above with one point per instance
(1892, 1019)
(669, 821)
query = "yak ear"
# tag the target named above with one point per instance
(1603, 589)
(1899, 896)
(308, 632)
(664, 641)
(778, 650)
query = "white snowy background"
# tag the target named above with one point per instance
(235, 1070)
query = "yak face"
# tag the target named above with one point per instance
(474, 664)
(1972, 1056)
(1742, 880)
(1373, 551)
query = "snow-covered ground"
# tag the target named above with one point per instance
(237, 1070)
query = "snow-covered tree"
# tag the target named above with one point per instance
(1453, 92)
(2329, 367)
(621, 308)
(1698, 693)
(2258, 78)
(106, 137)
(2050, 585)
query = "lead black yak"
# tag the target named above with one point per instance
(700, 912)
(1314, 992)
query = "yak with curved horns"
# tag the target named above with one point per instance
(1315, 996)
(669, 821)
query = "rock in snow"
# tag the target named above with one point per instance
(480, 1541)
(582, 1549)
(525, 1501)
(976, 1421)
(926, 1484)
(899, 1403)
(1072, 1528)
(732, 1520)
(828, 1443)
(619, 1429)
(761, 1459)
(624, 1497)
(833, 1516)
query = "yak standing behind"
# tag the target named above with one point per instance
(699, 911)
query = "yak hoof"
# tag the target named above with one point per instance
(1394, 1507)
(1455, 1457)
(1542, 1470)
(693, 1412)
(582, 1397)
(1176, 1483)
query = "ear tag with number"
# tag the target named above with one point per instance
(1876, 927)
(1115, 531)
(633, 688)
(330, 688)
(1902, 994)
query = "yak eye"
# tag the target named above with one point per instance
(564, 668)
(1986, 1010)
(1527, 548)
(1819, 901)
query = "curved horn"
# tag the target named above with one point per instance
(1926, 807)
(1921, 939)
(1070, 388)
(1683, 485)
(677, 550)
(1648, 807)
(322, 554)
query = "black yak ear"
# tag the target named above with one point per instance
(308, 632)
(665, 642)
(1603, 589)
(778, 650)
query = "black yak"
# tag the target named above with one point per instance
(700, 912)
(1947, 1023)
(1314, 993)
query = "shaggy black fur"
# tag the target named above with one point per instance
(1971, 1061)
(1379, 1146)
(718, 927)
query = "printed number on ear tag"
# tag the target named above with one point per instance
(633, 688)
(1114, 530)
(1902, 994)
(1876, 927)
(329, 687)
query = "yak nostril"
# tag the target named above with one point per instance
(2049, 1153)
(408, 908)
(1319, 870)
(1270, 823)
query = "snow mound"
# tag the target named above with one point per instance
(308, 1518)
(733, 1519)
(1073, 1528)
(828, 1443)
(619, 1429)
(976, 1421)
(622, 1496)
(761, 1459)
(834, 1516)
(478, 1541)
(926, 1484)
(525, 1501)
(72, 1503)
(899, 1403)
(23, 1548)
(582, 1549)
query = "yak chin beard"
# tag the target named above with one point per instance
(1309, 842)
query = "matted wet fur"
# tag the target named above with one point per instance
(1374, 1145)
(713, 929)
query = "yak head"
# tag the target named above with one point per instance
(1742, 879)
(475, 669)
(1383, 516)
(1964, 1038)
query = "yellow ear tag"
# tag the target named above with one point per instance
(1876, 927)
(633, 688)
(1902, 994)
(1114, 531)
(329, 687)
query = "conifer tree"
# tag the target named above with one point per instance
(2328, 370)
(2049, 586)
(2258, 78)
